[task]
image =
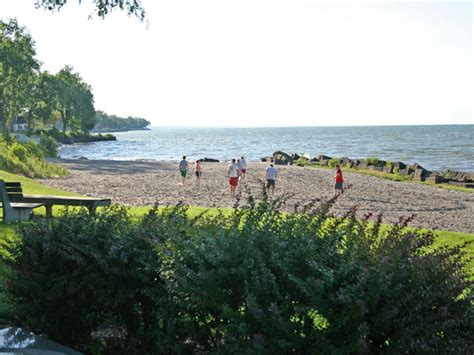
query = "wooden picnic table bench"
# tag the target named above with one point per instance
(15, 193)
(50, 201)
(15, 211)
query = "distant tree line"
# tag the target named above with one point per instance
(44, 100)
(114, 123)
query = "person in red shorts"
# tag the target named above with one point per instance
(233, 176)
(338, 182)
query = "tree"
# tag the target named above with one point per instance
(103, 7)
(85, 111)
(112, 122)
(75, 101)
(18, 70)
(44, 102)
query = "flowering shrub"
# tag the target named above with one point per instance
(253, 281)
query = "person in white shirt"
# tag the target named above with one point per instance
(242, 167)
(271, 175)
(233, 176)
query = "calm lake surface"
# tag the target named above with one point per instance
(434, 147)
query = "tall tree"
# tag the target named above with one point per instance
(18, 69)
(75, 101)
(85, 111)
(103, 7)
(44, 99)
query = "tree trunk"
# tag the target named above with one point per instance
(64, 121)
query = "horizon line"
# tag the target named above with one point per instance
(321, 126)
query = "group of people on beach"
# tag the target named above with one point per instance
(235, 172)
(237, 169)
(184, 168)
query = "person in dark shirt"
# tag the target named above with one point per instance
(183, 169)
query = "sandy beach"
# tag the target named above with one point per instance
(142, 183)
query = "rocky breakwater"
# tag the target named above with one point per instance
(72, 139)
(404, 171)
(281, 158)
(459, 178)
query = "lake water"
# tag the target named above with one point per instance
(434, 147)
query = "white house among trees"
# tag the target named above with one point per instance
(20, 124)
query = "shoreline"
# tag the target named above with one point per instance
(99, 131)
(143, 183)
(385, 143)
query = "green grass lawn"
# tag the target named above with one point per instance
(455, 238)
(31, 186)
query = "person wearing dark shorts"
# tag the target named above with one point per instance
(271, 175)
(270, 183)
(198, 171)
(338, 182)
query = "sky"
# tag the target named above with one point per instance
(262, 63)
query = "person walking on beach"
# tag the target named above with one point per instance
(242, 167)
(238, 169)
(233, 176)
(183, 169)
(338, 182)
(271, 175)
(198, 171)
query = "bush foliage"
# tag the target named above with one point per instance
(252, 281)
(302, 161)
(375, 161)
(28, 159)
(333, 162)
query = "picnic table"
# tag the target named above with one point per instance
(19, 206)
(49, 201)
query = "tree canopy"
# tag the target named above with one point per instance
(114, 123)
(75, 101)
(18, 69)
(44, 98)
(103, 7)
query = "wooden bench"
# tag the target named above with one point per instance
(15, 193)
(15, 211)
